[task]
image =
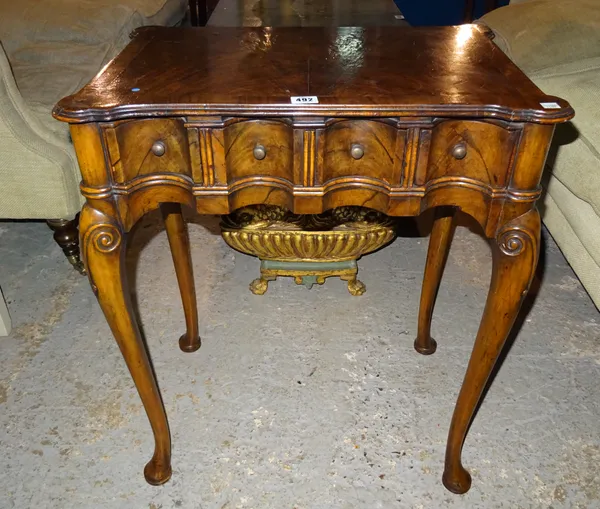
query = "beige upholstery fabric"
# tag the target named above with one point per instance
(38, 171)
(575, 227)
(576, 159)
(557, 43)
(541, 34)
(59, 54)
(54, 47)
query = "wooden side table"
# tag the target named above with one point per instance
(218, 119)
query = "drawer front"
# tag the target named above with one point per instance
(259, 148)
(363, 148)
(345, 154)
(477, 150)
(142, 147)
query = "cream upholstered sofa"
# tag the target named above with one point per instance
(557, 44)
(49, 49)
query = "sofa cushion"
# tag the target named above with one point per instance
(540, 34)
(557, 43)
(38, 172)
(574, 226)
(56, 46)
(27, 22)
(575, 156)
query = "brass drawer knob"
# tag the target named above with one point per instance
(159, 148)
(260, 152)
(357, 151)
(459, 151)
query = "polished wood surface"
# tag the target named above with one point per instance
(103, 249)
(439, 246)
(66, 235)
(129, 160)
(179, 242)
(229, 71)
(408, 119)
(515, 252)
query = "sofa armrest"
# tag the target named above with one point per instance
(32, 159)
(543, 34)
(16, 114)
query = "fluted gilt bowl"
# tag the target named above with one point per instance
(312, 244)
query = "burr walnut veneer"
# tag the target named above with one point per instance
(406, 120)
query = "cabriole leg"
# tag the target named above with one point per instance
(515, 255)
(179, 242)
(439, 245)
(103, 245)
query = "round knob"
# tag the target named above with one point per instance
(158, 148)
(260, 152)
(459, 151)
(357, 151)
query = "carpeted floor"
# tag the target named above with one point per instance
(297, 399)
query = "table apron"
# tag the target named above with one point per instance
(399, 168)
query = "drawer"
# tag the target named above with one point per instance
(259, 148)
(477, 150)
(367, 148)
(142, 147)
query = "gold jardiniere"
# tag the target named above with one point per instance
(309, 248)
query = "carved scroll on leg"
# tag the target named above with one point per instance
(103, 248)
(515, 254)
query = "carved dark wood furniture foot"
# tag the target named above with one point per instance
(66, 235)
(243, 120)
(200, 11)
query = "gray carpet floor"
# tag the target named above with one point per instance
(300, 398)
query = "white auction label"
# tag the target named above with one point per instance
(550, 106)
(304, 99)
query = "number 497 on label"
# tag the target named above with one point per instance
(304, 99)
